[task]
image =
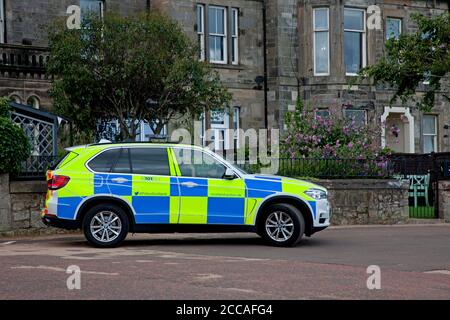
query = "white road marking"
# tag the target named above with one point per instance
(446, 272)
(50, 268)
(207, 276)
(8, 242)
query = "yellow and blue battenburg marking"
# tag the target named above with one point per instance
(174, 199)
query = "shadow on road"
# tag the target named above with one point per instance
(140, 242)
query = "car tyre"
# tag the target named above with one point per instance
(282, 225)
(105, 225)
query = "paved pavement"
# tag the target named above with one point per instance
(414, 261)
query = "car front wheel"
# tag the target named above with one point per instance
(105, 226)
(283, 225)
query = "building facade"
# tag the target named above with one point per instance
(267, 53)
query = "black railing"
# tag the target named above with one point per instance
(324, 168)
(35, 167)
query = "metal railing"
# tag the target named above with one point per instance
(325, 168)
(35, 167)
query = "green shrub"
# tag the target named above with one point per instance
(14, 145)
(4, 107)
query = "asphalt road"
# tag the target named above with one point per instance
(414, 261)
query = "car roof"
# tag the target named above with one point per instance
(132, 144)
(145, 143)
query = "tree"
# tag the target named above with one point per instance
(130, 68)
(414, 58)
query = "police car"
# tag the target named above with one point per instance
(109, 190)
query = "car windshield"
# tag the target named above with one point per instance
(233, 165)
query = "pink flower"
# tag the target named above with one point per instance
(350, 145)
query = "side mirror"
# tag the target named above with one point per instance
(229, 174)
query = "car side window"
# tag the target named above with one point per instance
(123, 163)
(195, 163)
(151, 161)
(104, 161)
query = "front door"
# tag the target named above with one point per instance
(205, 197)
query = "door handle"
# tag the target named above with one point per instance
(189, 184)
(119, 180)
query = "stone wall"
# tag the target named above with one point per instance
(20, 204)
(368, 201)
(5, 203)
(27, 199)
(354, 201)
(444, 200)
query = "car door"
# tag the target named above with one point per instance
(205, 196)
(154, 195)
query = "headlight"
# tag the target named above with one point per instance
(317, 194)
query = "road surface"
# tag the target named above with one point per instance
(414, 262)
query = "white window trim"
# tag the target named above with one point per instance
(235, 37)
(2, 22)
(224, 127)
(364, 48)
(328, 40)
(434, 135)
(236, 119)
(385, 25)
(409, 130)
(201, 34)
(224, 36)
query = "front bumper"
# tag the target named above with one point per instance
(53, 221)
(323, 213)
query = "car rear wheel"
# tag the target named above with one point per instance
(105, 226)
(282, 225)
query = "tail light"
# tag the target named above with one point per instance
(57, 182)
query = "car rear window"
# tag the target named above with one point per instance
(104, 161)
(69, 156)
(123, 164)
(151, 161)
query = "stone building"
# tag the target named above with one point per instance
(337, 38)
(306, 48)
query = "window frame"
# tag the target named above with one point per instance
(236, 126)
(321, 116)
(201, 30)
(86, 164)
(148, 147)
(35, 102)
(358, 110)
(435, 134)
(122, 150)
(113, 162)
(220, 128)
(327, 31)
(235, 37)
(215, 156)
(386, 36)
(102, 7)
(224, 36)
(2, 22)
(364, 39)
